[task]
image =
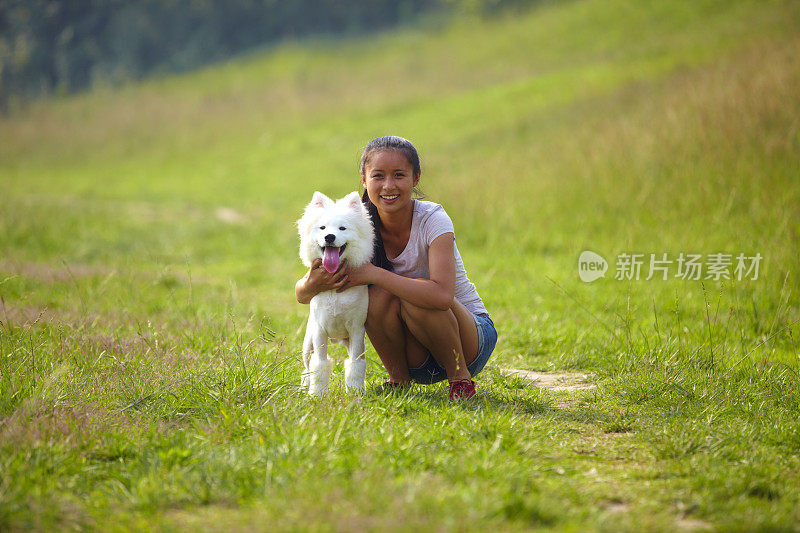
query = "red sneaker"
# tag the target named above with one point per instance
(462, 389)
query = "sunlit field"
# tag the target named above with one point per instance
(150, 340)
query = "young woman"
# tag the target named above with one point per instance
(425, 318)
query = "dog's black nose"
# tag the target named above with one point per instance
(330, 237)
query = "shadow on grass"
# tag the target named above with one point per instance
(510, 396)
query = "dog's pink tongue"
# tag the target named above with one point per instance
(330, 259)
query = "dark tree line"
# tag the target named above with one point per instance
(59, 46)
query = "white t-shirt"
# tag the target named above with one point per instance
(428, 222)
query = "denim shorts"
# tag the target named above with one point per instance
(431, 371)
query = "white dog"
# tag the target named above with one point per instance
(335, 231)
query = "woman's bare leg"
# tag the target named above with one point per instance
(467, 330)
(451, 336)
(402, 334)
(387, 333)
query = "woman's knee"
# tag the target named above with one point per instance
(414, 313)
(382, 305)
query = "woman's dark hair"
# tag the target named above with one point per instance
(404, 146)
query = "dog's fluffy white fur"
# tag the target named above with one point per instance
(344, 227)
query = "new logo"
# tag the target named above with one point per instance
(591, 266)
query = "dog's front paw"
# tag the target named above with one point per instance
(319, 374)
(355, 373)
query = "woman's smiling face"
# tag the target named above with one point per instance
(389, 179)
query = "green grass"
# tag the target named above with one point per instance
(149, 337)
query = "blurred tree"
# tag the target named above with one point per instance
(49, 46)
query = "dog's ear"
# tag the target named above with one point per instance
(354, 201)
(320, 200)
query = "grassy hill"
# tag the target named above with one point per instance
(150, 338)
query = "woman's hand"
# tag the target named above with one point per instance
(318, 280)
(322, 280)
(358, 276)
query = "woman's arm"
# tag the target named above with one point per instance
(434, 293)
(318, 280)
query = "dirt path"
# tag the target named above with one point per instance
(553, 380)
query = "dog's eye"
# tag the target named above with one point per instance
(342, 228)
(322, 227)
